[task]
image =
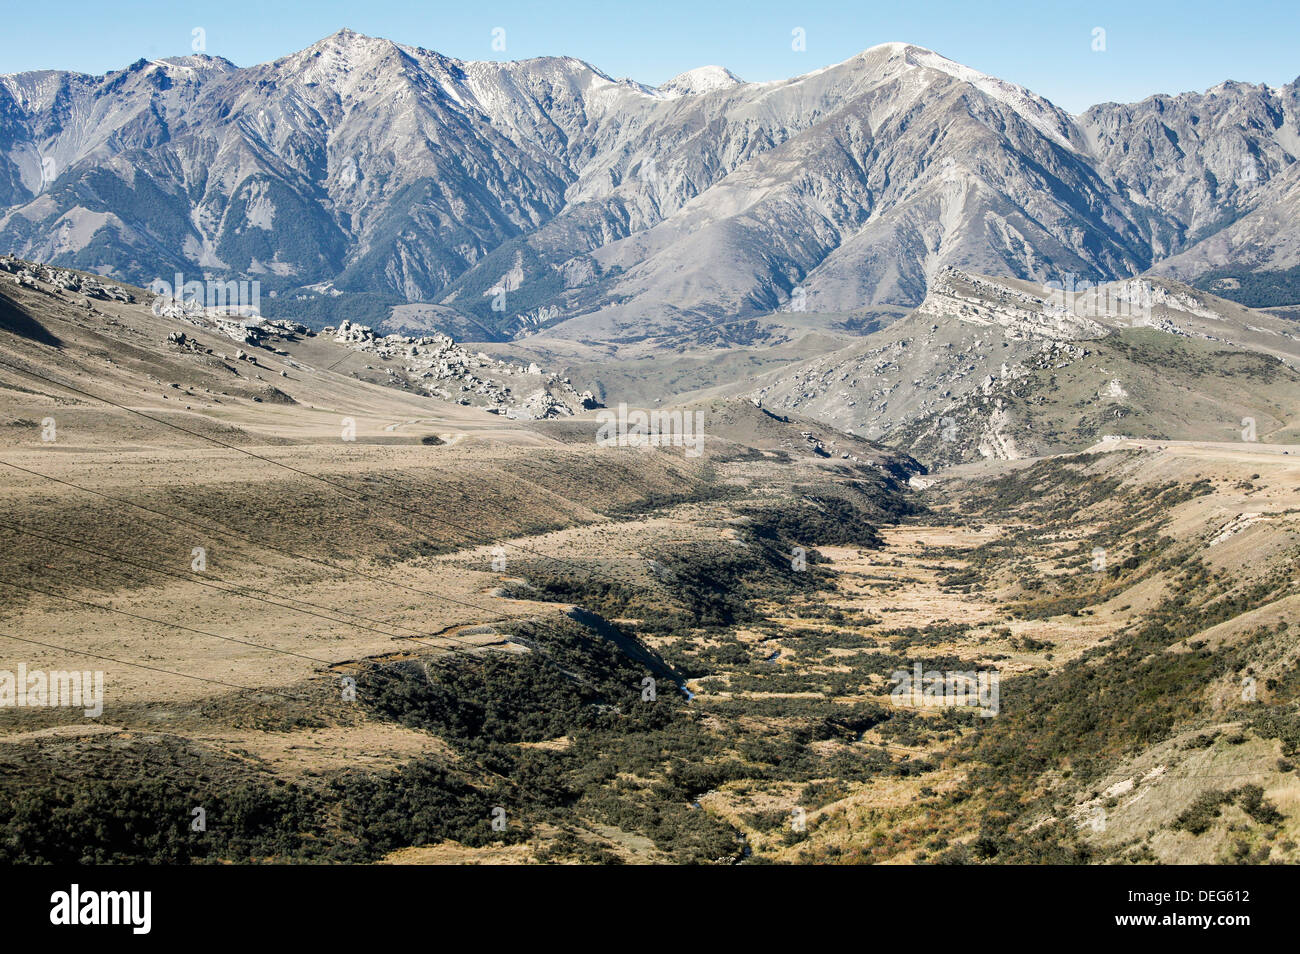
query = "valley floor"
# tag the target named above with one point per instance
(453, 637)
(1124, 598)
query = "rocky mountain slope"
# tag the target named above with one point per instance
(1006, 369)
(278, 352)
(512, 198)
(1224, 162)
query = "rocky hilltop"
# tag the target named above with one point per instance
(998, 368)
(431, 365)
(437, 366)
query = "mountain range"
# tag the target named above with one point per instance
(495, 200)
(611, 473)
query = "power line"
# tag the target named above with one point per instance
(114, 559)
(169, 672)
(185, 675)
(450, 650)
(202, 632)
(237, 591)
(273, 547)
(159, 622)
(342, 489)
(244, 537)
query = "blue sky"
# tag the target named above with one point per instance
(1150, 47)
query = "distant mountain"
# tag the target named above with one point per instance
(1223, 162)
(361, 174)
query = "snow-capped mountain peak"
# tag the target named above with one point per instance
(702, 79)
(617, 208)
(896, 57)
(1038, 112)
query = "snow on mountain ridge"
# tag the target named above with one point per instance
(1035, 110)
(702, 79)
(701, 197)
(1047, 118)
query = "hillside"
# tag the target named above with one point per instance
(514, 643)
(1004, 369)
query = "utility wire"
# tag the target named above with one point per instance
(244, 537)
(135, 665)
(236, 590)
(340, 488)
(203, 632)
